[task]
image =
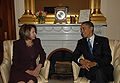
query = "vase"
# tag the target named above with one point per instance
(41, 20)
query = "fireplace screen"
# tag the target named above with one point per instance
(60, 63)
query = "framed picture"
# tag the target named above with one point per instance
(84, 15)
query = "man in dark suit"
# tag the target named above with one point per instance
(96, 64)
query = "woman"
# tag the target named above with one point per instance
(25, 52)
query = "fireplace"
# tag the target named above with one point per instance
(60, 63)
(59, 40)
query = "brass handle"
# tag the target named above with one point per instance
(0, 22)
(5, 33)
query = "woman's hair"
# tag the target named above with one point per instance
(25, 29)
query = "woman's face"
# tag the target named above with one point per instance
(32, 34)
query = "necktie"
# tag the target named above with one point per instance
(90, 47)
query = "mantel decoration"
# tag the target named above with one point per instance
(40, 15)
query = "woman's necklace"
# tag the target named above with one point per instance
(29, 43)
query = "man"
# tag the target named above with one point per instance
(96, 65)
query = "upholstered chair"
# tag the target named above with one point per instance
(7, 61)
(115, 48)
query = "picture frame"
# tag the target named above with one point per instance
(84, 15)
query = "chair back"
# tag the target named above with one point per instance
(115, 48)
(7, 60)
(115, 51)
(8, 50)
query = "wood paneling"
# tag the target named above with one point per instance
(7, 26)
(74, 5)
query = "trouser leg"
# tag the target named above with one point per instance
(100, 77)
(96, 76)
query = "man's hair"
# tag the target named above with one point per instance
(90, 24)
(25, 29)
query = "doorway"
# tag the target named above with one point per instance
(7, 23)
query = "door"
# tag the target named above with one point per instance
(7, 23)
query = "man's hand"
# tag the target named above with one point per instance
(92, 64)
(83, 61)
(87, 64)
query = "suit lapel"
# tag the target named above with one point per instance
(95, 43)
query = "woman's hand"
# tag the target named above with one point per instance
(36, 71)
(29, 72)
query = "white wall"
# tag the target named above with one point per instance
(110, 9)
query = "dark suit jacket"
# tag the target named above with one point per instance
(101, 51)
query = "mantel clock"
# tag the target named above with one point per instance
(60, 15)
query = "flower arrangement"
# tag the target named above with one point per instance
(41, 15)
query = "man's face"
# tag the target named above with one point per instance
(86, 31)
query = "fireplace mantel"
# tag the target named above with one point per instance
(64, 31)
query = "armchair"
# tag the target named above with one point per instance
(115, 49)
(7, 61)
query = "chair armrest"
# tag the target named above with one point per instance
(116, 65)
(1, 80)
(117, 70)
(6, 64)
(117, 74)
(76, 70)
(45, 70)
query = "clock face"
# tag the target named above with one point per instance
(60, 15)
